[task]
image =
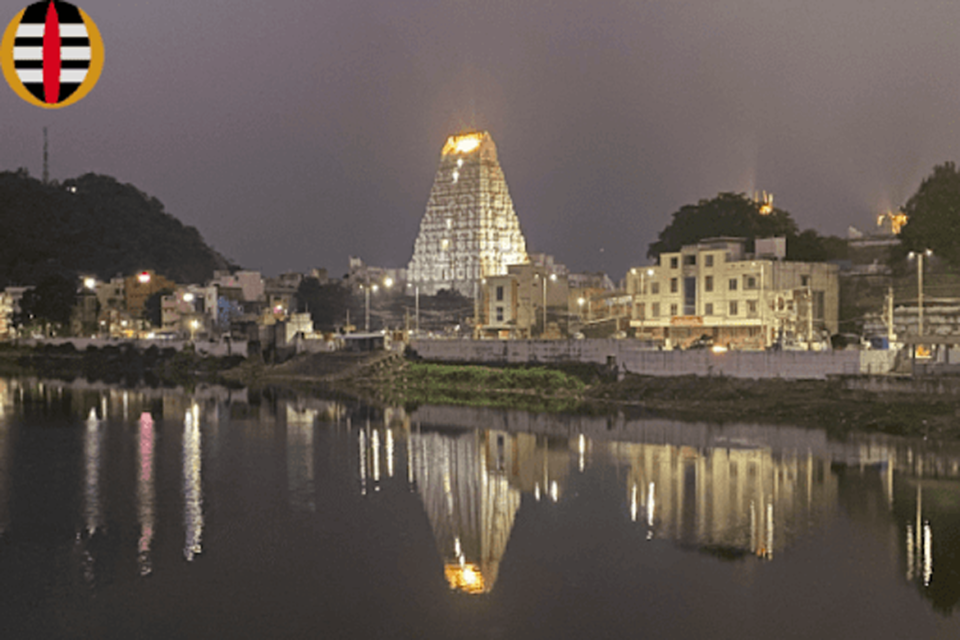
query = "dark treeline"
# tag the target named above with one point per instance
(93, 225)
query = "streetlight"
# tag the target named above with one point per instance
(366, 291)
(553, 277)
(643, 293)
(919, 256)
(416, 293)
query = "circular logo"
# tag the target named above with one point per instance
(51, 54)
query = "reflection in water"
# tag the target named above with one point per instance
(91, 473)
(465, 484)
(727, 501)
(6, 401)
(192, 495)
(920, 545)
(300, 476)
(146, 510)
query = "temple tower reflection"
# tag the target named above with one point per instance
(471, 506)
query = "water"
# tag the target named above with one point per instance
(159, 514)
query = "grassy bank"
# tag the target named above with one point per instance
(414, 383)
(587, 389)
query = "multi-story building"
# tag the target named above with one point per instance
(715, 288)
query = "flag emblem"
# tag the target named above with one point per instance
(51, 54)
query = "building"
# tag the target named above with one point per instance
(714, 288)
(250, 283)
(514, 304)
(190, 310)
(470, 230)
(139, 287)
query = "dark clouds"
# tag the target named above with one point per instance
(296, 133)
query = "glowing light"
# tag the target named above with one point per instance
(90, 283)
(143, 278)
(718, 348)
(897, 220)
(465, 143)
(456, 176)
(459, 162)
(466, 577)
(388, 282)
(188, 297)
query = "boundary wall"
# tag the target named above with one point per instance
(627, 356)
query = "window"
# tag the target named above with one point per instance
(689, 296)
(708, 260)
(708, 309)
(708, 283)
(818, 304)
(751, 307)
(733, 284)
(655, 310)
(690, 260)
(499, 294)
(640, 311)
(749, 282)
(673, 263)
(733, 307)
(804, 281)
(673, 310)
(444, 244)
(499, 314)
(673, 285)
(654, 288)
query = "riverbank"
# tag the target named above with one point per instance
(825, 404)
(123, 363)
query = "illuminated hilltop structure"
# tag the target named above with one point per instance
(470, 230)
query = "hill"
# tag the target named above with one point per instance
(94, 225)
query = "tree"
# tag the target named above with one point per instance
(327, 303)
(153, 307)
(933, 216)
(735, 215)
(50, 302)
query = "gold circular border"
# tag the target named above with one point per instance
(93, 73)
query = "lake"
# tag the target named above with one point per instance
(157, 513)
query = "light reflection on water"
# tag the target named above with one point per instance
(739, 493)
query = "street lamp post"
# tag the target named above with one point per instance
(919, 256)
(553, 277)
(366, 291)
(643, 294)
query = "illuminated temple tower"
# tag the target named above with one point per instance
(470, 229)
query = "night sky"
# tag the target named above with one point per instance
(294, 134)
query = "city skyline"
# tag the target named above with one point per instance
(320, 140)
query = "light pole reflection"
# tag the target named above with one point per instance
(192, 494)
(91, 472)
(145, 493)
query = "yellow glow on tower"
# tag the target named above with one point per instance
(464, 143)
(466, 577)
(897, 220)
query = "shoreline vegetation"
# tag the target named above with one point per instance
(389, 379)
